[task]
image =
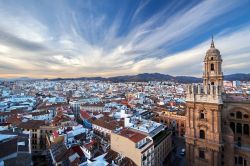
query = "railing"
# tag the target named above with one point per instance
(143, 145)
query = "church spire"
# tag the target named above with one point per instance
(213, 74)
(212, 43)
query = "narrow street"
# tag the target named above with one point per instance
(179, 160)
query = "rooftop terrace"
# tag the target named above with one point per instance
(149, 127)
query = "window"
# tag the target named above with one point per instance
(238, 115)
(246, 116)
(239, 128)
(202, 154)
(202, 115)
(202, 134)
(232, 114)
(240, 160)
(246, 129)
(212, 67)
(212, 58)
(239, 142)
(232, 126)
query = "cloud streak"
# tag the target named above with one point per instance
(88, 39)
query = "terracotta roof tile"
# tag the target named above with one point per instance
(132, 135)
(107, 122)
(113, 156)
(32, 124)
(84, 114)
(14, 120)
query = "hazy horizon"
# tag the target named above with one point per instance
(24, 77)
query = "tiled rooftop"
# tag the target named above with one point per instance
(132, 135)
(32, 124)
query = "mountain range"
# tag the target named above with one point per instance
(146, 77)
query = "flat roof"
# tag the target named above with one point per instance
(147, 126)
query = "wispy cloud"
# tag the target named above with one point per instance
(71, 41)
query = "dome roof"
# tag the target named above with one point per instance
(213, 52)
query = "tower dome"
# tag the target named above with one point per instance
(212, 53)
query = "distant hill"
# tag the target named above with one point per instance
(165, 77)
(239, 76)
(155, 77)
(80, 78)
(188, 79)
(144, 77)
(19, 78)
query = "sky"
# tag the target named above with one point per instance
(66, 38)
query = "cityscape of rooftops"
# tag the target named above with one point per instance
(124, 83)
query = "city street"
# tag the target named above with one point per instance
(179, 160)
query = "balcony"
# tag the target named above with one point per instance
(202, 119)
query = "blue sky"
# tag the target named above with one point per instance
(45, 38)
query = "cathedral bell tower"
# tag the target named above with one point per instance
(212, 67)
(203, 114)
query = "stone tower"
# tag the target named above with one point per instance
(212, 67)
(203, 116)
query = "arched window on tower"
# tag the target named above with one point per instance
(246, 129)
(232, 126)
(239, 128)
(212, 67)
(238, 115)
(202, 154)
(202, 115)
(202, 134)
